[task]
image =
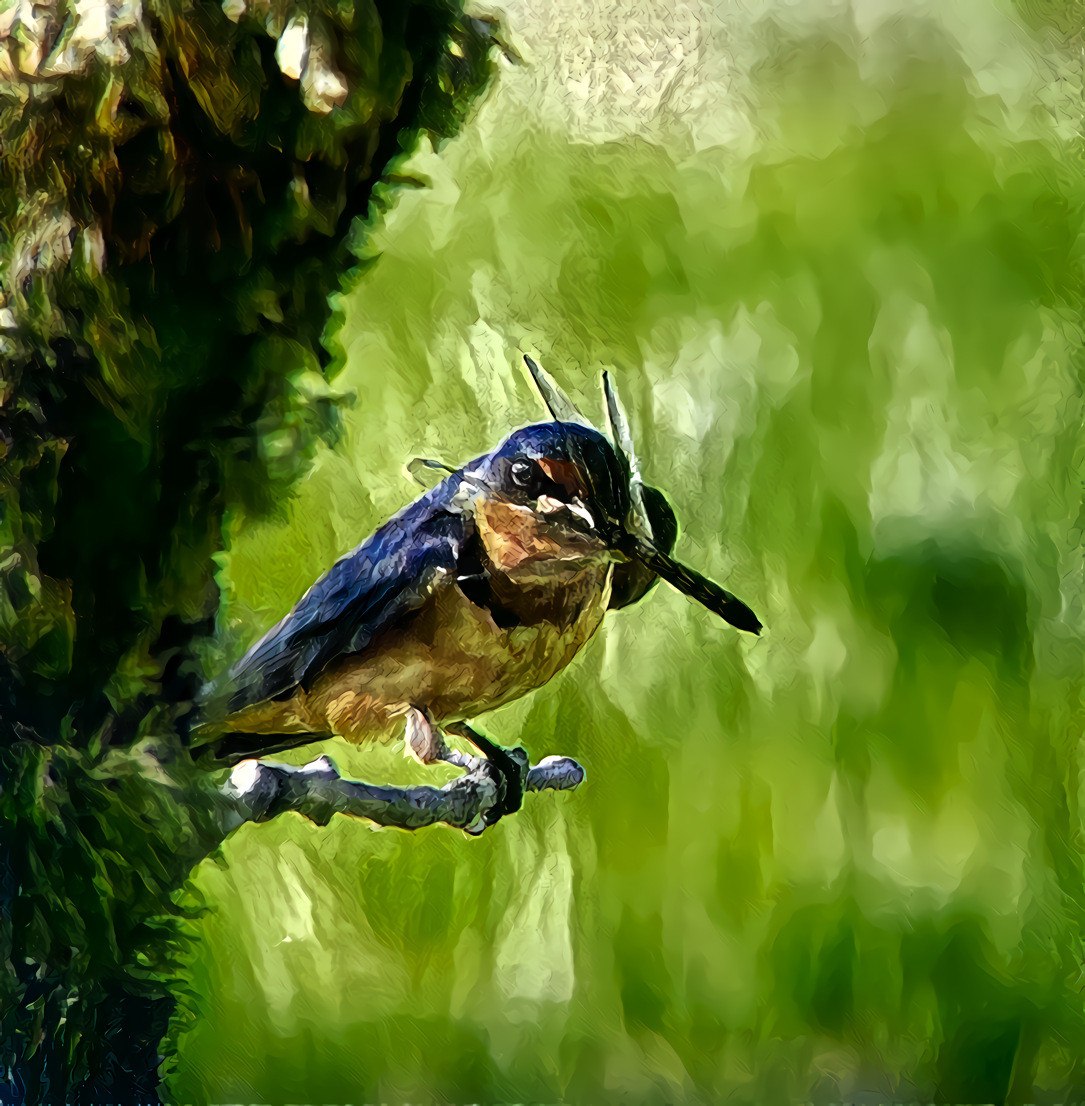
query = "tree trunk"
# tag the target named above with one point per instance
(175, 194)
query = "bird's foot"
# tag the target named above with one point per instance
(511, 766)
(424, 743)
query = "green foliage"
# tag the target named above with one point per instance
(90, 925)
(844, 857)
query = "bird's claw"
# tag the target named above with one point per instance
(511, 766)
(509, 769)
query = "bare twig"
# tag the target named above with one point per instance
(259, 790)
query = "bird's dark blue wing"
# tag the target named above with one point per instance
(365, 592)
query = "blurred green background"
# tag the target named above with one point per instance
(833, 253)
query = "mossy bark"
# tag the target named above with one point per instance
(177, 184)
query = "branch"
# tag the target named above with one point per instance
(260, 790)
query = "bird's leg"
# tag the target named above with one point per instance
(422, 739)
(511, 763)
(423, 742)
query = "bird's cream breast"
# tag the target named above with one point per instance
(454, 661)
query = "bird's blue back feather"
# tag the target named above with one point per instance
(364, 593)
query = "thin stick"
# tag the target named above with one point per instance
(259, 790)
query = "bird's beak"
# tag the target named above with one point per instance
(615, 542)
(550, 506)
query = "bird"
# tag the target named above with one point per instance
(478, 592)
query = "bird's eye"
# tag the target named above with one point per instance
(521, 472)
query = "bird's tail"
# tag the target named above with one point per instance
(228, 749)
(222, 739)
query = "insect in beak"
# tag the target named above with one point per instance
(690, 582)
(639, 541)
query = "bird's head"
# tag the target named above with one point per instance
(555, 491)
(561, 492)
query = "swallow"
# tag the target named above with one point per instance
(478, 592)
